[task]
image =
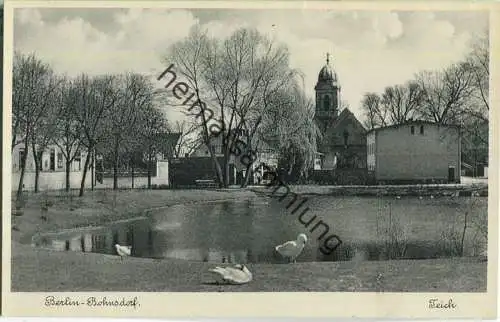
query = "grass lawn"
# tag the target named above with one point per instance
(52, 271)
(45, 270)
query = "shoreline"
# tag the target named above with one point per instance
(380, 190)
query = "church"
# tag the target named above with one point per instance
(343, 141)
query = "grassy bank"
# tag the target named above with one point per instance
(418, 190)
(52, 271)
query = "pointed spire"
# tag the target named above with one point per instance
(327, 58)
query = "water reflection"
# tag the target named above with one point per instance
(222, 232)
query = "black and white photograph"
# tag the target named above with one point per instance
(223, 149)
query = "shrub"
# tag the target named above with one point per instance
(392, 235)
(470, 231)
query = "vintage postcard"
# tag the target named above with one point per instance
(247, 159)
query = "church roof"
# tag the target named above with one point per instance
(327, 74)
(343, 115)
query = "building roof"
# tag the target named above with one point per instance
(409, 123)
(327, 74)
(169, 141)
(344, 115)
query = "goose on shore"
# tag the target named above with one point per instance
(236, 275)
(123, 251)
(291, 249)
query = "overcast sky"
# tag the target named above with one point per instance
(369, 50)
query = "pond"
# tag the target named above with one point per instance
(247, 231)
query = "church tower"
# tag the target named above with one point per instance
(327, 96)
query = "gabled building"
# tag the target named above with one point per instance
(53, 170)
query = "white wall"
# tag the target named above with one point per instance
(50, 180)
(162, 178)
(402, 155)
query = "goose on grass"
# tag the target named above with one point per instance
(235, 275)
(291, 249)
(123, 251)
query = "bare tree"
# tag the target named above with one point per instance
(401, 102)
(135, 93)
(96, 97)
(44, 133)
(189, 138)
(479, 62)
(68, 129)
(446, 93)
(151, 126)
(34, 85)
(375, 115)
(229, 76)
(475, 116)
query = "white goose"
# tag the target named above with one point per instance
(236, 275)
(123, 251)
(292, 249)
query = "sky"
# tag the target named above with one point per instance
(369, 50)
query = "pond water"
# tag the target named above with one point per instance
(247, 231)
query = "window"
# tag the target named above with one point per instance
(412, 130)
(21, 159)
(421, 129)
(52, 159)
(326, 103)
(59, 160)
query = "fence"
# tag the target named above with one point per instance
(359, 176)
(184, 172)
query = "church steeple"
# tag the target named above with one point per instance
(327, 95)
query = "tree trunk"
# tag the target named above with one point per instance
(84, 175)
(37, 178)
(68, 171)
(291, 164)
(248, 172)
(92, 182)
(149, 170)
(19, 193)
(132, 170)
(115, 168)
(227, 159)
(115, 174)
(37, 159)
(218, 171)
